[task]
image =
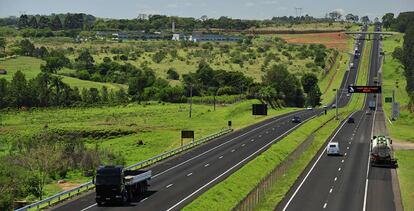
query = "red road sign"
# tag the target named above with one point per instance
(364, 89)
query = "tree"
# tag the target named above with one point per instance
(314, 96)
(26, 48)
(33, 22)
(387, 20)
(53, 64)
(309, 80)
(365, 19)
(43, 22)
(350, 17)
(408, 58)
(286, 85)
(85, 61)
(13, 180)
(172, 74)
(41, 161)
(23, 21)
(19, 90)
(335, 15)
(3, 44)
(4, 93)
(56, 23)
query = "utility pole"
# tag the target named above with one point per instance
(191, 99)
(336, 103)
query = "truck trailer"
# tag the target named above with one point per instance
(381, 152)
(114, 184)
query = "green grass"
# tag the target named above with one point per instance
(406, 177)
(402, 128)
(31, 68)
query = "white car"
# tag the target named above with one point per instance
(309, 108)
(332, 148)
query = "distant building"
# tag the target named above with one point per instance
(3, 72)
(198, 37)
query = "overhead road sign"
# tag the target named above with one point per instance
(364, 89)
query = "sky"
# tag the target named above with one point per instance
(245, 9)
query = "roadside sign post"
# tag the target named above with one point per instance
(229, 124)
(187, 134)
(395, 110)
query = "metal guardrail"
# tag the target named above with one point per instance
(89, 185)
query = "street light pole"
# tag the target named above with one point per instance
(336, 103)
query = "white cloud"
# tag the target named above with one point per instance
(172, 5)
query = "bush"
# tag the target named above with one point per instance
(172, 74)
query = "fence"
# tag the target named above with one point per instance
(258, 193)
(89, 185)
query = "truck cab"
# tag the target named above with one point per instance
(114, 184)
(109, 184)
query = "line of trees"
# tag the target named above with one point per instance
(404, 23)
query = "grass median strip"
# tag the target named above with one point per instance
(239, 184)
(405, 175)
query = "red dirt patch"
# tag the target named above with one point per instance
(338, 40)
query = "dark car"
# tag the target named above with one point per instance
(296, 119)
(351, 120)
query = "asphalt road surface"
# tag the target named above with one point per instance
(347, 182)
(179, 180)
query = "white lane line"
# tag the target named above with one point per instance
(349, 142)
(221, 157)
(243, 145)
(345, 153)
(89, 207)
(218, 146)
(330, 191)
(206, 165)
(237, 164)
(313, 166)
(252, 140)
(260, 136)
(335, 179)
(143, 199)
(189, 174)
(339, 169)
(324, 206)
(347, 147)
(169, 185)
(233, 150)
(273, 128)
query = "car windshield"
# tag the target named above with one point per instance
(332, 145)
(108, 180)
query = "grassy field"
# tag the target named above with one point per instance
(31, 68)
(393, 71)
(405, 176)
(157, 125)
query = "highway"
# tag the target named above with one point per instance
(179, 180)
(347, 182)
